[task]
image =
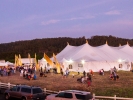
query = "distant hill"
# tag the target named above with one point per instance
(53, 45)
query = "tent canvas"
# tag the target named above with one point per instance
(28, 60)
(43, 63)
(95, 58)
(3, 64)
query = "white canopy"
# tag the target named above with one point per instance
(95, 58)
(100, 53)
(127, 49)
(3, 64)
(9, 63)
(28, 60)
(43, 63)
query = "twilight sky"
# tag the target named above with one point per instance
(31, 19)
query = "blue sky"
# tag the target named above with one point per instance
(32, 19)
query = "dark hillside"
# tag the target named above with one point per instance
(53, 45)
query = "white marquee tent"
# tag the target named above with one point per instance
(86, 57)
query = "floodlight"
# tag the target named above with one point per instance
(119, 60)
(70, 61)
(82, 61)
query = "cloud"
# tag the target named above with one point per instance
(113, 12)
(50, 22)
(124, 22)
(53, 21)
(80, 18)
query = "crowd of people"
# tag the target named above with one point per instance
(43, 72)
(113, 74)
(7, 71)
(86, 78)
(29, 72)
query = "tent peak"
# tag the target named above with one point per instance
(67, 43)
(127, 43)
(86, 41)
(106, 42)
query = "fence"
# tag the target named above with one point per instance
(8, 86)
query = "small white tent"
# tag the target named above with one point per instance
(9, 63)
(42, 63)
(3, 64)
(28, 61)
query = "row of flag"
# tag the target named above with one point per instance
(57, 65)
(18, 61)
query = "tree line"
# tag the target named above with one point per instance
(53, 45)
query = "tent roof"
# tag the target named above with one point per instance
(9, 63)
(127, 49)
(99, 53)
(114, 54)
(42, 60)
(2, 61)
(3, 64)
(27, 60)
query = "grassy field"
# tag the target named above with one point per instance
(101, 85)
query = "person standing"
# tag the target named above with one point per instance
(115, 70)
(84, 73)
(35, 77)
(89, 80)
(115, 75)
(41, 69)
(91, 72)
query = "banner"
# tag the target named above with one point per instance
(48, 60)
(57, 63)
(19, 60)
(29, 58)
(16, 60)
(36, 64)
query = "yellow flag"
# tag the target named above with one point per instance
(36, 64)
(55, 60)
(48, 60)
(57, 63)
(19, 60)
(29, 58)
(35, 55)
(15, 60)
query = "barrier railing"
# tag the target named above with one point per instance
(9, 85)
(6, 85)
